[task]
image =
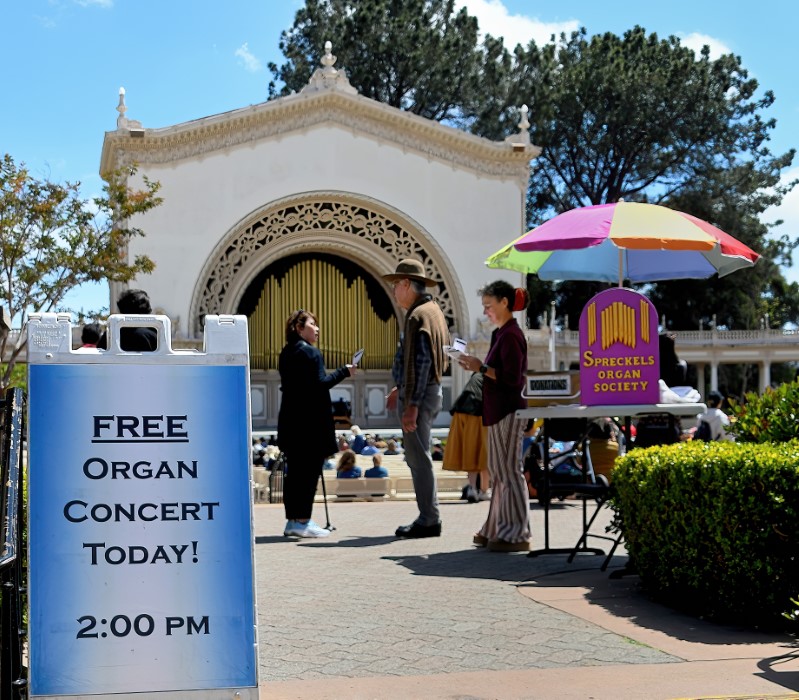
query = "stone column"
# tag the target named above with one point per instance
(714, 375)
(765, 375)
(700, 377)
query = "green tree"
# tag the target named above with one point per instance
(634, 117)
(417, 55)
(645, 119)
(52, 240)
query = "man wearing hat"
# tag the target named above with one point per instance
(419, 365)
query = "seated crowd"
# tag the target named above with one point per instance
(265, 452)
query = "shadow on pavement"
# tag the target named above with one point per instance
(271, 539)
(351, 542)
(477, 563)
(786, 678)
(625, 598)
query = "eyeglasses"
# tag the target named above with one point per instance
(394, 284)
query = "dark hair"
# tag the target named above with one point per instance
(297, 318)
(134, 301)
(346, 461)
(715, 399)
(90, 334)
(672, 369)
(518, 298)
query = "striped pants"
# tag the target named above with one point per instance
(509, 512)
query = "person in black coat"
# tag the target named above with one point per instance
(305, 428)
(132, 339)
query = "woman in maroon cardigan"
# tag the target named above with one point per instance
(507, 528)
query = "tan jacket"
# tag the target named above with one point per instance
(424, 316)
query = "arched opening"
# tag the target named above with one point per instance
(353, 309)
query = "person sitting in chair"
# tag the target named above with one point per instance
(378, 471)
(346, 468)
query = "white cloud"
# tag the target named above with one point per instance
(788, 211)
(95, 3)
(696, 41)
(247, 59)
(494, 18)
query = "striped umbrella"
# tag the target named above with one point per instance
(624, 241)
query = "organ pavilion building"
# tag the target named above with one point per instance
(305, 202)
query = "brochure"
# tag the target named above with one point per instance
(457, 349)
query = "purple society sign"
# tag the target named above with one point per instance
(619, 352)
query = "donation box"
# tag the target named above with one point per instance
(140, 539)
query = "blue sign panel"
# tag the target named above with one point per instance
(140, 529)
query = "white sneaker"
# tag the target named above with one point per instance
(310, 529)
(292, 528)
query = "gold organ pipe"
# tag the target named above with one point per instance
(344, 311)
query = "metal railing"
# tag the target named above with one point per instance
(13, 575)
(769, 336)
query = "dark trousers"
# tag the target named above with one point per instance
(299, 485)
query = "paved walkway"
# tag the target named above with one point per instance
(364, 615)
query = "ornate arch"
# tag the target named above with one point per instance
(359, 228)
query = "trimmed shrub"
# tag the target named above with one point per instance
(713, 528)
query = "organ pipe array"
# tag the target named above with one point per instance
(346, 318)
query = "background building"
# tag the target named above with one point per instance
(304, 202)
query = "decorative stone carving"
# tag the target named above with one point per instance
(303, 111)
(123, 123)
(328, 78)
(522, 138)
(301, 225)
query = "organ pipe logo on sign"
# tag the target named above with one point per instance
(140, 519)
(619, 351)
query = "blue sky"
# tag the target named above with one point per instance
(184, 59)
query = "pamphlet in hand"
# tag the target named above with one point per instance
(356, 358)
(457, 349)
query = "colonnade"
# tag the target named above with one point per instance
(703, 349)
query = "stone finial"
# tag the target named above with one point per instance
(523, 137)
(122, 121)
(328, 60)
(524, 125)
(328, 77)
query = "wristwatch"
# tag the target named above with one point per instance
(483, 368)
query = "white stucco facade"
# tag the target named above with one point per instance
(399, 186)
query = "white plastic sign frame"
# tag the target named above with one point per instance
(140, 534)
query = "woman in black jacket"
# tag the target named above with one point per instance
(305, 429)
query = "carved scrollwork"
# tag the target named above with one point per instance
(305, 219)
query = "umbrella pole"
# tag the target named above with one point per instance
(621, 268)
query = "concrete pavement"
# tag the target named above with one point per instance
(363, 615)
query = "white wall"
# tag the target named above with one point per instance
(468, 215)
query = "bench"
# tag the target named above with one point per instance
(447, 485)
(260, 484)
(362, 488)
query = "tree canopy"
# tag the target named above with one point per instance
(416, 55)
(644, 119)
(52, 240)
(635, 116)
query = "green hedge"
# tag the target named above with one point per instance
(713, 528)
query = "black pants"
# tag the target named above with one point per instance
(299, 485)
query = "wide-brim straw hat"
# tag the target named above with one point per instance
(412, 270)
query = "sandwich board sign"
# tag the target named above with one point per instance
(140, 537)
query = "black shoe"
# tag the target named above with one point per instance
(415, 531)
